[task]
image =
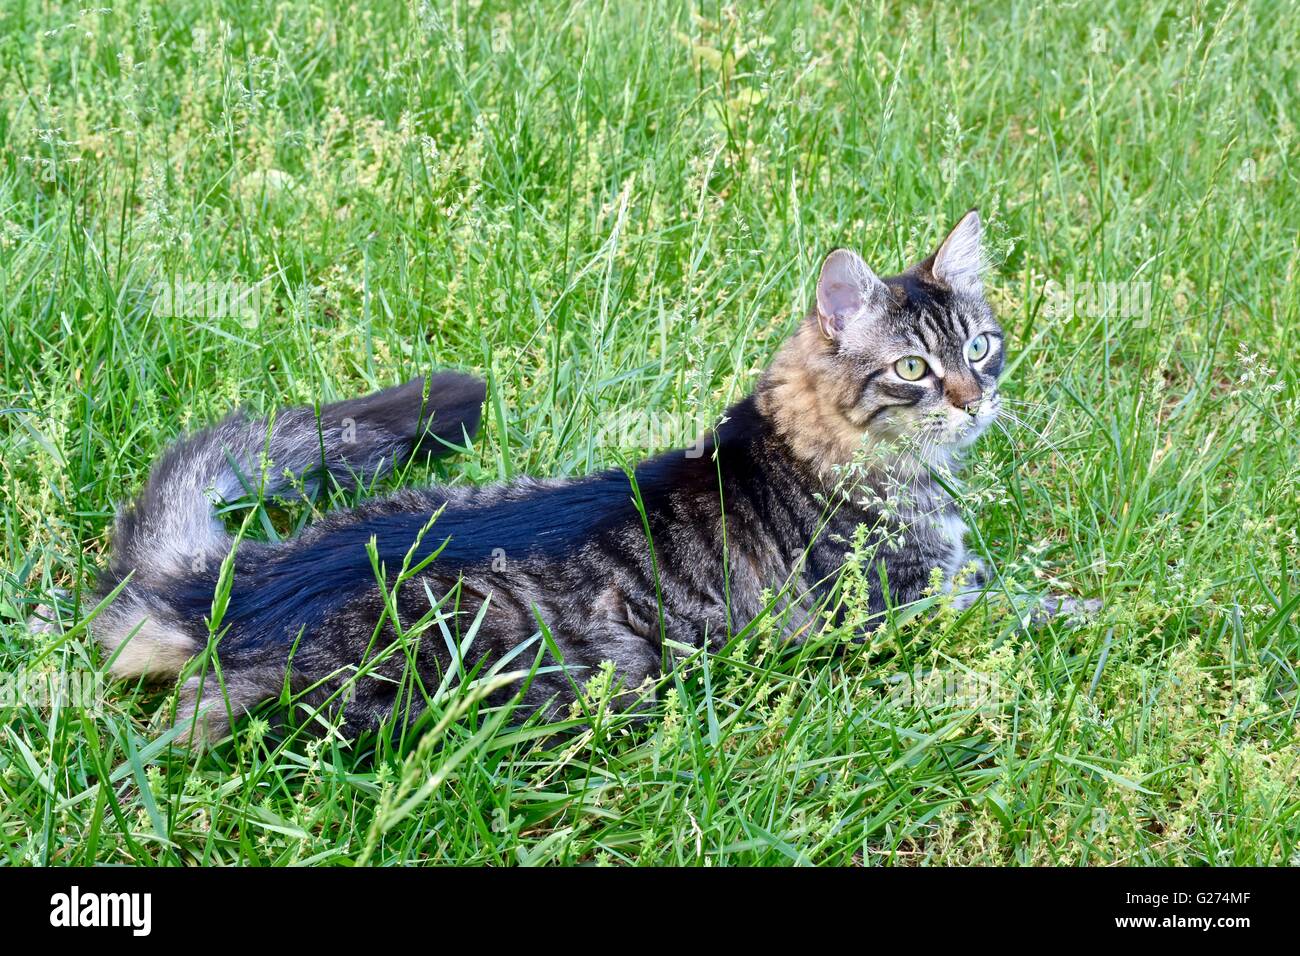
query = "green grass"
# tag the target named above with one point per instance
(615, 209)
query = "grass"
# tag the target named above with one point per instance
(613, 211)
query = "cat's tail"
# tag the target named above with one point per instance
(172, 530)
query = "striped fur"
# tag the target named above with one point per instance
(573, 553)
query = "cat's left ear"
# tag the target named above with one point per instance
(960, 261)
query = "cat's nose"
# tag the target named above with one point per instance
(963, 394)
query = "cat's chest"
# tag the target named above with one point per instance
(936, 537)
(948, 531)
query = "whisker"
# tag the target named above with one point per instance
(1041, 440)
(1046, 442)
(1024, 402)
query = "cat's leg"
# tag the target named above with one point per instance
(626, 633)
(1041, 610)
(46, 618)
(1033, 611)
(969, 585)
(206, 706)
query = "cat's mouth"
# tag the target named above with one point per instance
(946, 429)
(969, 425)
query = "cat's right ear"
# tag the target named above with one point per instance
(847, 291)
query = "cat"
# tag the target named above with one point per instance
(878, 391)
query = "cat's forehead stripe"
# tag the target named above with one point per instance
(925, 331)
(959, 317)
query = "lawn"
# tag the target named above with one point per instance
(614, 212)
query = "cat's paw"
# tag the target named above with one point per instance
(46, 619)
(1052, 607)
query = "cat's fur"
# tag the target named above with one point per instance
(570, 553)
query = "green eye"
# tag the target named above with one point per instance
(977, 347)
(911, 368)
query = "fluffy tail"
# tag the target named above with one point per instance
(172, 529)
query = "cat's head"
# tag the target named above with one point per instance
(911, 359)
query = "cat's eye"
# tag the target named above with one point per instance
(977, 347)
(911, 368)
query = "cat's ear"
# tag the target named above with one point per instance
(960, 261)
(847, 290)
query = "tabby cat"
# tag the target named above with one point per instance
(885, 381)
